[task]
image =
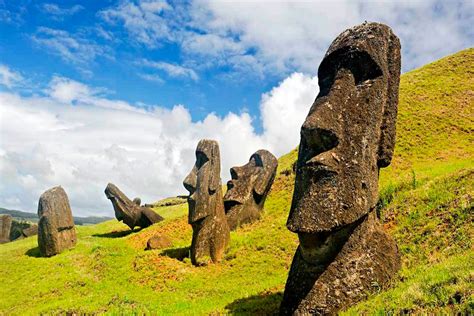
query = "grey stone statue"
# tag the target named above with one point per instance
(348, 135)
(248, 188)
(206, 208)
(130, 212)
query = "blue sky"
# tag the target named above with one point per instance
(121, 91)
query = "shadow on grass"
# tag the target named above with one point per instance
(33, 252)
(262, 304)
(117, 234)
(176, 253)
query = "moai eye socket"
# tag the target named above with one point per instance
(318, 140)
(201, 159)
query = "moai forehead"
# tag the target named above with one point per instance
(349, 132)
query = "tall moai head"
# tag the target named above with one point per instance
(349, 132)
(206, 207)
(348, 135)
(248, 188)
(204, 181)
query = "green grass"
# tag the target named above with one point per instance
(426, 203)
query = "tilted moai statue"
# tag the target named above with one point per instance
(348, 135)
(206, 208)
(5, 227)
(56, 231)
(248, 189)
(130, 212)
(137, 201)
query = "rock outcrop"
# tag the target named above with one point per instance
(206, 208)
(56, 230)
(5, 226)
(130, 212)
(158, 242)
(248, 188)
(348, 135)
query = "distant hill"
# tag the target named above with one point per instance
(426, 203)
(33, 217)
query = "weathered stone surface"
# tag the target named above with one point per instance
(158, 242)
(206, 207)
(248, 189)
(5, 226)
(348, 135)
(137, 201)
(56, 230)
(131, 213)
(30, 231)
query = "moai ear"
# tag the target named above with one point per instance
(389, 119)
(215, 176)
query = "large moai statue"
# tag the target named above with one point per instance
(130, 212)
(248, 188)
(56, 230)
(348, 135)
(5, 227)
(206, 208)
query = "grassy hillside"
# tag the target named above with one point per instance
(426, 202)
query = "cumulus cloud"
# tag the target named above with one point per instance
(8, 77)
(75, 136)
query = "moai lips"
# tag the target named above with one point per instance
(348, 135)
(206, 208)
(248, 188)
(130, 212)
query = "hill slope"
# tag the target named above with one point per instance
(426, 202)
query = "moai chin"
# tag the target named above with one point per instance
(248, 188)
(348, 135)
(206, 208)
(130, 212)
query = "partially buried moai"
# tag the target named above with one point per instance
(130, 212)
(5, 227)
(348, 135)
(56, 231)
(206, 208)
(248, 188)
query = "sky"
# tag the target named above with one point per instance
(93, 92)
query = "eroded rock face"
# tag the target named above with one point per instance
(30, 231)
(206, 208)
(348, 135)
(56, 230)
(5, 226)
(130, 212)
(248, 188)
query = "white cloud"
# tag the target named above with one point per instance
(173, 70)
(59, 13)
(287, 36)
(75, 137)
(71, 48)
(8, 77)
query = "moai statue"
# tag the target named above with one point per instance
(248, 189)
(5, 227)
(206, 208)
(130, 212)
(348, 135)
(137, 201)
(56, 230)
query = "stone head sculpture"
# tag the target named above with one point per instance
(130, 212)
(248, 188)
(348, 135)
(206, 207)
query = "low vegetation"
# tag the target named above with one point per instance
(426, 203)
